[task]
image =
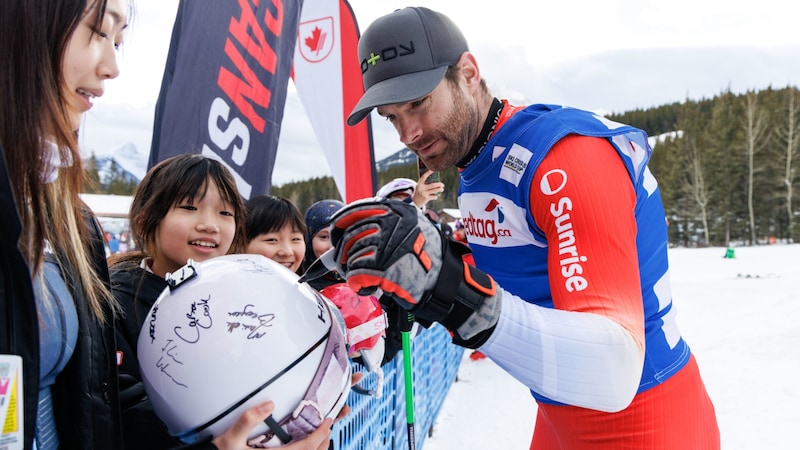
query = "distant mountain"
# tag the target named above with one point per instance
(133, 164)
(108, 168)
(127, 157)
(125, 162)
(402, 157)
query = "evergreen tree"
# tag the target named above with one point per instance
(726, 168)
(91, 183)
(117, 182)
(756, 137)
(724, 153)
(787, 158)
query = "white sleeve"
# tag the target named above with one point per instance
(576, 358)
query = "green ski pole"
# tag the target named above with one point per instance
(405, 332)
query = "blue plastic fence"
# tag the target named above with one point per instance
(380, 423)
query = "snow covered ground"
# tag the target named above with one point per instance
(741, 318)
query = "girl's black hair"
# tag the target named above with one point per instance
(268, 213)
(178, 179)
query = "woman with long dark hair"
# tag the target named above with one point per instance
(57, 313)
(57, 310)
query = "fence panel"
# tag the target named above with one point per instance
(380, 423)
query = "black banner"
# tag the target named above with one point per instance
(224, 85)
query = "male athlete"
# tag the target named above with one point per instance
(571, 294)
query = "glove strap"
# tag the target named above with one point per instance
(460, 290)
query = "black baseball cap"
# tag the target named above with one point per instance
(404, 55)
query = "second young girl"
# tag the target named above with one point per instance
(276, 229)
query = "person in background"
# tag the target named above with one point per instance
(571, 293)
(409, 191)
(56, 310)
(426, 191)
(433, 216)
(447, 230)
(401, 189)
(113, 243)
(318, 238)
(124, 242)
(459, 234)
(276, 229)
(369, 350)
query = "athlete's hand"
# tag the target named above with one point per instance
(387, 244)
(390, 245)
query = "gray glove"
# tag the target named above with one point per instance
(390, 245)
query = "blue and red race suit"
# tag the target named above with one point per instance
(562, 211)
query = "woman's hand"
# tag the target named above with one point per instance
(235, 438)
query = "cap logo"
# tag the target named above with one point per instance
(387, 54)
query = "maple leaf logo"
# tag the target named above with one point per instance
(316, 41)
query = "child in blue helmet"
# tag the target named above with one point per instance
(318, 238)
(332, 285)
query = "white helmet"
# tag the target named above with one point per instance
(395, 186)
(233, 332)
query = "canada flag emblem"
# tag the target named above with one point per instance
(315, 39)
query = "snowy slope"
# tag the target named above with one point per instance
(742, 319)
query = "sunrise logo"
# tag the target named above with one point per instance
(571, 259)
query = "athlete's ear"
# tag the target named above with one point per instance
(468, 67)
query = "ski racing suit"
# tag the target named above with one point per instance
(562, 211)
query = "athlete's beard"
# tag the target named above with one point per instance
(458, 130)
